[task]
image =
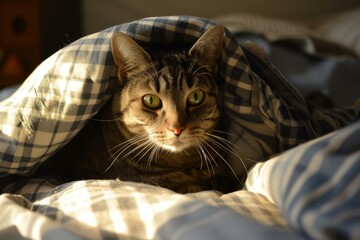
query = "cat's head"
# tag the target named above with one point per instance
(169, 95)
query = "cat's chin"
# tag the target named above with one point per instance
(176, 147)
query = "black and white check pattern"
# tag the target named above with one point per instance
(67, 89)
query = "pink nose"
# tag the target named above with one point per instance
(177, 130)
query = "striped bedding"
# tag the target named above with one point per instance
(310, 189)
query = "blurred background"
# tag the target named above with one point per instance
(96, 16)
(31, 30)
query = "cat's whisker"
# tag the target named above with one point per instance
(141, 146)
(126, 145)
(153, 154)
(205, 154)
(152, 148)
(218, 141)
(219, 144)
(186, 152)
(141, 137)
(211, 156)
(232, 144)
(223, 132)
(207, 160)
(126, 155)
(224, 160)
(201, 157)
(148, 146)
(229, 145)
(251, 160)
(131, 142)
(211, 161)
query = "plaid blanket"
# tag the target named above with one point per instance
(266, 115)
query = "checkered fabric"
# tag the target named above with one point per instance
(309, 192)
(110, 209)
(266, 114)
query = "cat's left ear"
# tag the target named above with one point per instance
(128, 55)
(208, 47)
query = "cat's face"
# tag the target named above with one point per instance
(169, 97)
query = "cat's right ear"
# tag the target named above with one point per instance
(128, 55)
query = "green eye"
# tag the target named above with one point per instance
(152, 101)
(196, 98)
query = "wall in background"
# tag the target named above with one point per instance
(32, 30)
(98, 15)
(60, 24)
(20, 43)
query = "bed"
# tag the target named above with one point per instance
(305, 184)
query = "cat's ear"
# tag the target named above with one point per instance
(128, 55)
(208, 47)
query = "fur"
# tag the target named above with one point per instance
(161, 127)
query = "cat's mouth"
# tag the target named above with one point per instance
(177, 145)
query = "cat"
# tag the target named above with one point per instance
(163, 126)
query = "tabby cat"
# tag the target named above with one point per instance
(162, 126)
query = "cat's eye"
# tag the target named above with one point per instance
(152, 101)
(196, 98)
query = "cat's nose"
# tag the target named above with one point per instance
(177, 130)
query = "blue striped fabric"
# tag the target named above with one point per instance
(317, 185)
